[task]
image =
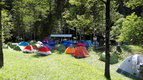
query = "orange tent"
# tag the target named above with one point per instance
(70, 50)
(80, 52)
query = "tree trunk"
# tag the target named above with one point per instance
(107, 63)
(1, 50)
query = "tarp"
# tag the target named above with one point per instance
(113, 58)
(70, 50)
(132, 67)
(29, 49)
(80, 52)
(44, 51)
(61, 35)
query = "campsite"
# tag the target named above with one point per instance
(64, 63)
(71, 39)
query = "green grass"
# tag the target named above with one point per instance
(58, 66)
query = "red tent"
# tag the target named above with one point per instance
(80, 44)
(45, 40)
(80, 52)
(44, 51)
(29, 49)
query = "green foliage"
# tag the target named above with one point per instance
(115, 29)
(133, 3)
(7, 25)
(132, 28)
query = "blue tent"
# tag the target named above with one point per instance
(70, 41)
(51, 41)
(23, 43)
(63, 41)
(89, 42)
(44, 42)
(86, 44)
(97, 43)
(48, 47)
(52, 45)
(82, 41)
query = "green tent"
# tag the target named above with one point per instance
(5, 46)
(13, 45)
(19, 48)
(32, 42)
(113, 58)
(61, 48)
(57, 46)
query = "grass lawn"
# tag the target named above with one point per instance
(60, 66)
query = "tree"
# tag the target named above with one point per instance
(132, 28)
(1, 50)
(108, 22)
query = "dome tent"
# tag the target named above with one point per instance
(19, 48)
(113, 58)
(80, 52)
(29, 49)
(44, 51)
(70, 50)
(132, 67)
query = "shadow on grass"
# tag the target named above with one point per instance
(126, 48)
(59, 52)
(39, 56)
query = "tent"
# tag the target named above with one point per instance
(48, 47)
(70, 50)
(12, 45)
(63, 41)
(61, 48)
(44, 51)
(80, 52)
(57, 46)
(32, 42)
(132, 67)
(39, 44)
(23, 43)
(19, 48)
(80, 44)
(97, 43)
(67, 44)
(57, 42)
(52, 41)
(52, 44)
(82, 41)
(45, 40)
(75, 42)
(89, 42)
(113, 58)
(86, 44)
(29, 49)
(5, 46)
